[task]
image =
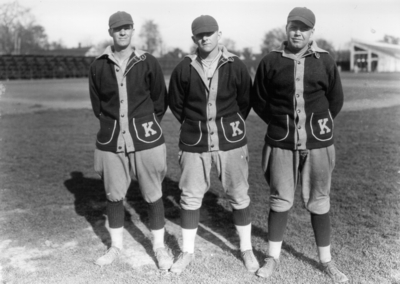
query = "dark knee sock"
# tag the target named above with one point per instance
(276, 225)
(242, 217)
(115, 213)
(190, 218)
(156, 215)
(322, 229)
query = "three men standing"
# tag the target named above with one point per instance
(297, 91)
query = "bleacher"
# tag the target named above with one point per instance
(43, 66)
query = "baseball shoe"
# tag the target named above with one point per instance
(182, 262)
(250, 261)
(269, 267)
(111, 254)
(164, 258)
(333, 272)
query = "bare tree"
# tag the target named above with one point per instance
(273, 39)
(18, 31)
(151, 37)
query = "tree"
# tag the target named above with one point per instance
(391, 39)
(273, 39)
(230, 44)
(18, 31)
(326, 45)
(151, 37)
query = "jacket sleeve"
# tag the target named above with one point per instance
(158, 90)
(243, 91)
(259, 93)
(334, 93)
(94, 96)
(177, 92)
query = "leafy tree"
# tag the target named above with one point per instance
(326, 45)
(18, 31)
(273, 39)
(247, 53)
(151, 37)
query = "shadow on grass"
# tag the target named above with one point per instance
(90, 202)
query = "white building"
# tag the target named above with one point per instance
(374, 56)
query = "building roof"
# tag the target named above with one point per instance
(382, 47)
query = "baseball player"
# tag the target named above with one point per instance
(297, 92)
(129, 98)
(209, 94)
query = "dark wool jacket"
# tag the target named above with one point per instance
(212, 117)
(298, 98)
(146, 101)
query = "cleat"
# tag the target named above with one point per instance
(164, 258)
(111, 254)
(333, 272)
(182, 262)
(268, 268)
(250, 261)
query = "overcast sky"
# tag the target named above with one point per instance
(245, 22)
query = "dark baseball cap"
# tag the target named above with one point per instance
(303, 15)
(120, 19)
(204, 24)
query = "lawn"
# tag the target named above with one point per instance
(52, 204)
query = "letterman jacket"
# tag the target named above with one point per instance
(212, 116)
(129, 106)
(298, 98)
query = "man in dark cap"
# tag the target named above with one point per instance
(128, 95)
(209, 94)
(297, 91)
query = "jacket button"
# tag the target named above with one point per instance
(122, 84)
(123, 132)
(299, 127)
(212, 146)
(117, 70)
(210, 119)
(122, 101)
(122, 115)
(299, 144)
(298, 62)
(297, 95)
(210, 104)
(298, 111)
(119, 147)
(212, 133)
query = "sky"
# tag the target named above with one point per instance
(245, 22)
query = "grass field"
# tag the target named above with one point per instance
(52, 204)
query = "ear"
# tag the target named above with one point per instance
(194, 40)
(312, 33)
(219, 35)
(110, 32)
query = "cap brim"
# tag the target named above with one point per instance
(301, 19)
(121, 23)
(205, 30)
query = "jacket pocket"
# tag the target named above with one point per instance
(233, 128)
(147, 129)
(108, 128)
(278, 128)
(321, 125)
(191, 132)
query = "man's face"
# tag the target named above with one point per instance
(122, 36)
(207, 42)
(298, 35)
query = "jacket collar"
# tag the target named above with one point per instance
(313, 48)
(136, 56)
(226, 55)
